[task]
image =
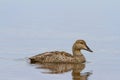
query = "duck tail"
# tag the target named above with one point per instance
(32, 60)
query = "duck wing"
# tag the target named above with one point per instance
(54, 56)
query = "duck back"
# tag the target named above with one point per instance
(55, 56)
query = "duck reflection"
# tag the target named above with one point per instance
(59, 68)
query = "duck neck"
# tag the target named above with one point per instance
(76, 53)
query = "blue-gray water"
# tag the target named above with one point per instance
(30, 27)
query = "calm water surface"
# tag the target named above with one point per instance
(28, 28)
(102, 64)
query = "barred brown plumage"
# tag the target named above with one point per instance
(63, 57)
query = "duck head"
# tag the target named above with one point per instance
(81, 45)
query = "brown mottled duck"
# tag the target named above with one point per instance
(63, 57)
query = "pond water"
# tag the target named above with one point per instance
(31, 27)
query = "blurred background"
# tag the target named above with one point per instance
(29, 27)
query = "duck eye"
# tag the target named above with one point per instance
(81, 43)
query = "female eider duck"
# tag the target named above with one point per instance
(63, 57)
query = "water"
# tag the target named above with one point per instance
(28, 28)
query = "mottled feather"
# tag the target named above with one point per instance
(54, 56)
(63, 57)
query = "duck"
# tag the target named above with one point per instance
(62, 56)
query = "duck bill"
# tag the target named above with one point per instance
(88, 49)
